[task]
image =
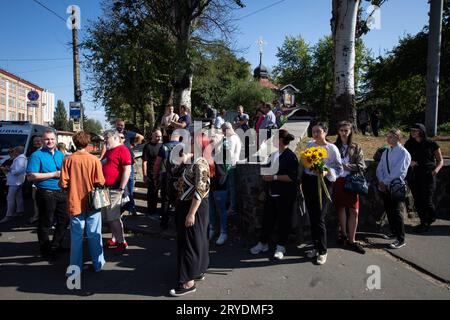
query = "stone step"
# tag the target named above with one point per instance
(140, 184)
(141, 206)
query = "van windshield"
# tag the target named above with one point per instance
(8, 141)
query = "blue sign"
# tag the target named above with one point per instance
(75, 113)
(33, 95)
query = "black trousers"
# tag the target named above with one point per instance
(167, 198)
(278, 211)
(363, 127)
(52, 206)
(316, 215)
(192, 243)
(152, 196)
(394, 216)
(375, 127)
(422, 185)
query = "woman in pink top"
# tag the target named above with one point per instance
(260, 116)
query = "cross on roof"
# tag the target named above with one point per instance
(261, 43)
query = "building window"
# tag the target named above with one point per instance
(21, 91)
(2, 99)
(2, 83)
(12, 116)
(11, 102)
(20, 104)
(12, 88)
(2, 115)
(30, 118)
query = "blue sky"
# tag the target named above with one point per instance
(28, 31)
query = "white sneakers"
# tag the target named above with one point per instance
(322, 258)
(259, 248)
(279, 252)
(222, 238)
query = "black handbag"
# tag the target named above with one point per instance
(356, 182)
(397, 187)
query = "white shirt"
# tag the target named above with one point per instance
(232, 148)
(345, 160)
(399, 161)
(333, 161)
(16, 174)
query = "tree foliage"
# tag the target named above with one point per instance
(248, 94)
(396, 83)
(310, 69)
(217, 69)
(92, 126)
(139, 52)
(60, 118)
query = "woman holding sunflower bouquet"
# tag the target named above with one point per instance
(322, 165)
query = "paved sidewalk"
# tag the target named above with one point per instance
(429, 252)
(148, 271)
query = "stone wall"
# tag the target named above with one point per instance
(251, 196)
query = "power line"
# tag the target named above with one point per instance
(45, 69)
(259, 10)
(47, 8)
(37, 59)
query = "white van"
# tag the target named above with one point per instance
(18, 133)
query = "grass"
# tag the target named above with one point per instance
(370, 144)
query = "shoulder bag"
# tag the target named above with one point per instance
(397, 187)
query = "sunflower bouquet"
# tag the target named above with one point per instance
(313, 159)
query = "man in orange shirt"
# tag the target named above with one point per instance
(80, 173)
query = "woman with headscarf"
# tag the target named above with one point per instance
(192, 211)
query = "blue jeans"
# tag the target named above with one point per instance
(92, 222)
(231, 189)
(130, 206)
(218, 200)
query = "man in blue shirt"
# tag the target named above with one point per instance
(43, 170)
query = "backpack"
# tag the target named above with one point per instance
(379, 153)
(171, 171)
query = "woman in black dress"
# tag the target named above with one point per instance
(192, 217)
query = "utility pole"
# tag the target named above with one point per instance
(433, 63)
(76, 63)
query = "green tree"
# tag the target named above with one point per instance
(248, 94)
(294, 64)
(396, 83)
(92, 126)
(216, 70)
(60, 119)
(129, 62)
(310, 69)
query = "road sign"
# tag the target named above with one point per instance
(75, 105)
(32, 104)
(33, 95)
(75, 113)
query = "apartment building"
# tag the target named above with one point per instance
(13, 100)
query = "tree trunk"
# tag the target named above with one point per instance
(183, 91)
(343, 26)
(151, 115)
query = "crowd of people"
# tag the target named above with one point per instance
(197, 184)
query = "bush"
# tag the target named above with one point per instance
(444, 128)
